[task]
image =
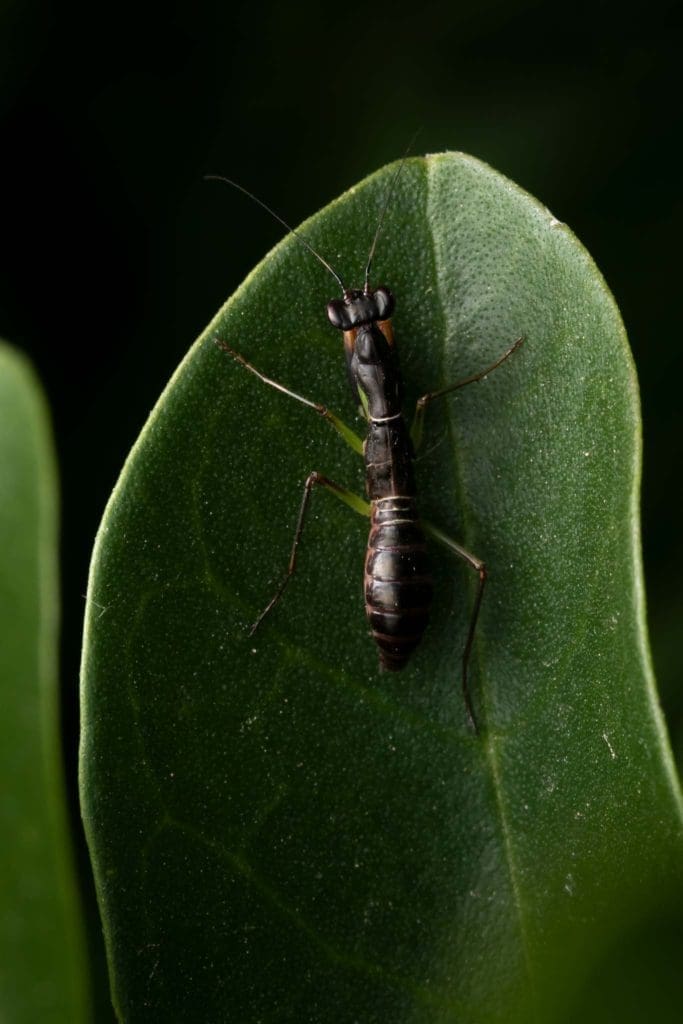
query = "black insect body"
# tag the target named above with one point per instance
(397, 582)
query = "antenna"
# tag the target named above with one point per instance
(228, 181)
(385, 205)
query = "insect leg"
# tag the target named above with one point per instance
(350, 499)
(349, 436)
(418, 421)
(480, 568)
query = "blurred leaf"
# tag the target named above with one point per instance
(639, 978)
(42, 970)
(278, 831)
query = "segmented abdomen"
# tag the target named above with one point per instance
(398, 583)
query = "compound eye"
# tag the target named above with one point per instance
(384, 301)
(338, 315)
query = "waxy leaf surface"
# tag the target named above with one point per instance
(279, 831)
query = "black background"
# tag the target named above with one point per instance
(116, 254)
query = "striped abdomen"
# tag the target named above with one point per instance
(398, 584)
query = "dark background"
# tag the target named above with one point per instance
(116, 253)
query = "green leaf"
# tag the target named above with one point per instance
(280, 832)
(42, 970)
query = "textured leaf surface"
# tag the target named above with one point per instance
(280, 832)
(42, 973)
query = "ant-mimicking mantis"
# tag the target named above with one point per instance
(397, 582)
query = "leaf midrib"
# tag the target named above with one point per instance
(488, 740)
